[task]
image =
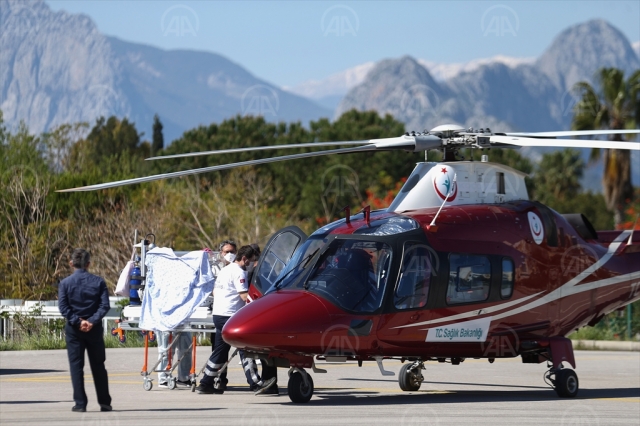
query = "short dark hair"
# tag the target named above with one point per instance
(256, 249)
(230, 242)
(246, 251)
(80, 258)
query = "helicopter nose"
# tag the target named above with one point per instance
(278, 321)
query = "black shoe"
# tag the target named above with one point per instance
(208, 389)
(105, 407)
(183, 383)
(273, 390)
(79, 408)
(266, 384)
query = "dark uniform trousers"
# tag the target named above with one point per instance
(220, 356)
(93, 342)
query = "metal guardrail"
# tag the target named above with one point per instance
(47, 310)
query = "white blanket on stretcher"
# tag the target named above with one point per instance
(174, 288)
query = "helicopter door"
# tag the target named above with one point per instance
(274, 258)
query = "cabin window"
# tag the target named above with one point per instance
(469, 278)
(501, 188)
(506, 288)
(415, 277)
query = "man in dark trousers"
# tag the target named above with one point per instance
(83, 300)
(230, 294)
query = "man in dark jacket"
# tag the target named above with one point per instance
(83, 300)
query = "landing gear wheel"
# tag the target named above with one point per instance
(172, 383)
(298, 391)
(147, 385)
(409, 378)
(566, 383)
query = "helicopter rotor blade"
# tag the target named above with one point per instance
(369, 147)
(407, 142)
(259, 148)
(564, 143)
(574, 133)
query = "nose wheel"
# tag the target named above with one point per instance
(300, 385)
(564, 381)
(410, 377)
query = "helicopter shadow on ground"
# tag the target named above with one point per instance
(451, 383)
(15, 371)
(351, 398)
(32, 402)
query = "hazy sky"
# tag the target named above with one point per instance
(287, 43)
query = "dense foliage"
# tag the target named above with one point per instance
(39, 227)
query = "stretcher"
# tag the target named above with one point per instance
(199, 322)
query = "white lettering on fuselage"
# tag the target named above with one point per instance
(468, 331)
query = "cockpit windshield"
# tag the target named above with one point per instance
(350, 273)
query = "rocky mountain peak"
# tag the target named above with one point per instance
(578, 51)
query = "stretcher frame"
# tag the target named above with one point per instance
(197, 323)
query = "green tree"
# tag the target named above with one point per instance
(157, 143)
(613, 104)
(558, 175)
(556, 183)
(112, 145)
(31, 239)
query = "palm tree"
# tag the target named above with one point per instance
(615, 105)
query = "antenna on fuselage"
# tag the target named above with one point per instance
(433, 222)
(633, 229)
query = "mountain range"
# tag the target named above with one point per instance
(56, 67)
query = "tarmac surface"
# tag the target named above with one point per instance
(35, 389)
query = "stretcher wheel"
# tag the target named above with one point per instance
(147, 385)
(193, 387)
(152, 336)
(114, 331)
(172, 384)
(122, 338)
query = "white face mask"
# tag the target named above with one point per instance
(229, 257)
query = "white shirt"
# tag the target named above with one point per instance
(231, 280)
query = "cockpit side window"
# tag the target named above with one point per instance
(414, 281)
(353, 274)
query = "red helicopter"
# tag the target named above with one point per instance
(461, 265)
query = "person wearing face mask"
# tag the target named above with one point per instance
(228, 250)
(231, 293)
